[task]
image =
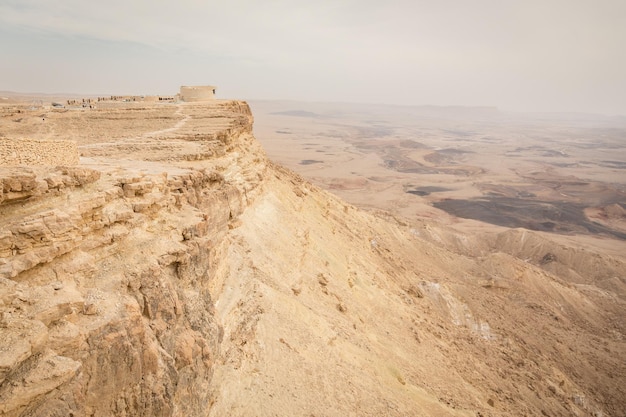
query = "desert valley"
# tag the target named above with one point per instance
(213, 258)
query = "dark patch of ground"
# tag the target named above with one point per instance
(422, 191)
(310, 161)
(445, 156)
(407, 165)
(548, 216)
(613, 164)
(411, 144)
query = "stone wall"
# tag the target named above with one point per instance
(38, 152)
(197, 93)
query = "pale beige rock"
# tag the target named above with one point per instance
(26, 151)
(21, 338)
(178, 272)
(41, 374)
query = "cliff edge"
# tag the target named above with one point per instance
(178, 272)
(106, 267)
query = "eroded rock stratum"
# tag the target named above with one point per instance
(177, 272)
(105, 267)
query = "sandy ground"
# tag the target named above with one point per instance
(564, 174)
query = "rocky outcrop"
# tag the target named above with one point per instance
(21, 183)
(105, 275)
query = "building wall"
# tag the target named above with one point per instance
(197, 93)
(38, 152)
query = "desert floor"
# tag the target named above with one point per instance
(475, 168)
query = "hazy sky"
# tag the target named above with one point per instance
(555, 55)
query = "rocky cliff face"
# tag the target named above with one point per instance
(105, 275)
(178, 272)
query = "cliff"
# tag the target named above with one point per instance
(106, 270)
(177, 271)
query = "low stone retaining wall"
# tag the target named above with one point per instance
(38, 152)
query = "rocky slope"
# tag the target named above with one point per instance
(177, 271)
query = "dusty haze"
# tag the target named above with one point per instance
(561, 55)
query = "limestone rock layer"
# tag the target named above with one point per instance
(177, 272)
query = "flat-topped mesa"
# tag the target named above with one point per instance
(38, 152)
